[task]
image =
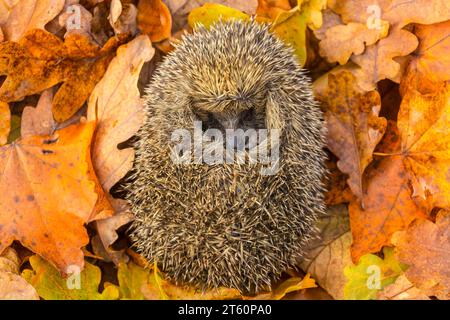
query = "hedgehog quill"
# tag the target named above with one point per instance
(226, 223)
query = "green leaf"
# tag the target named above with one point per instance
(291, 25)
(131, 279)
(210, 13)
(371, 275)
(50, 285)
(14, 132)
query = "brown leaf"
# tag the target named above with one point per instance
(389, 206)
(39, 120)
(123, 17)
(13, 286)
(32, 67)
(401, 289)
(336, 184)
(339, 41)
(425, 247)
(327, 256)
(378, 63)
(354, 128)
(47, 191)
(30, 14)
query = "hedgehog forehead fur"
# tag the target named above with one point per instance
(228, 225)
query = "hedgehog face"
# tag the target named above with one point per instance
(226, 224)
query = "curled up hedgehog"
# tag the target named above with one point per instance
(207, 219)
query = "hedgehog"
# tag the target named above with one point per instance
(236, 224)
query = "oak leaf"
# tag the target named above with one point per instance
(372, 274)
(41, 60)
(81, 285)
(425, 248)
(26, 15)
(48, 191)
(354, 128)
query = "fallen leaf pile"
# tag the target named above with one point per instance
(73, 74)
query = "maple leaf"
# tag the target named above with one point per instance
(41, 60)
(431, 61)
(154, 19)
(425, 248)
(5, 122)
(82, 285)
(47, 193)
(371, 275)
(354, 128)
(389, 206)
(326, 257)
(423, 124)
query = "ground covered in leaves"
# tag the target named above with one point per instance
(73, 72)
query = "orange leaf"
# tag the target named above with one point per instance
(354, 128)
(423, 122)
(41, 60)
(47, 193)
(389, 206)
(272, 8)
(154, 19)
(5, 122)
(425, 247)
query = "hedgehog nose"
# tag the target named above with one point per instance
(230, 123)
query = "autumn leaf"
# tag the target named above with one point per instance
(131, 280)
(154, 19)
(423, 124)
(378, 63)
(81, 285)
(210, 13)
(339, 41)
(291, 25)
(116, 105)
(31, 67)
(39, 120)
(401, 289)
(389, 206)
(371, 275)
(272, 8)
(326, 257)
(5, 122)
(336, 186)
(354, 128)
(425, 248)
(12, 285)
(430, 63)
(47, 191)
(287, 286)
(26, 15)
